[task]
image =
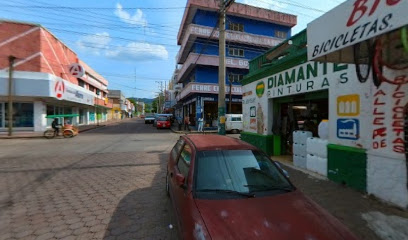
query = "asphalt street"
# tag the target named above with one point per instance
(109, 183)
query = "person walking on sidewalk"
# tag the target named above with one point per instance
(200, 124)
(187, 123)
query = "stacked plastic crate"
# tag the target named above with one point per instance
(299, 148)
(316, 159)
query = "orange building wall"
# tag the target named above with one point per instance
(39, 51)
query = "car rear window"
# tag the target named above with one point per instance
(162, 119)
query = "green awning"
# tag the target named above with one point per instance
(62, 115)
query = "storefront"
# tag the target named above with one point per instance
(356, 79)
(201, 100)
(297, 98)
(373, 36)
(37, 95)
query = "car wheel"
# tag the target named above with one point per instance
(167, 184)
(234, 131)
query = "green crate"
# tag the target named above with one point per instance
(347, 165)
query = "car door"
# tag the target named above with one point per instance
(180, 196)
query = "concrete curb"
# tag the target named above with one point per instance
(35, 135)
(312, 174)
(192, 132)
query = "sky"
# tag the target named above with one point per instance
(132, 43)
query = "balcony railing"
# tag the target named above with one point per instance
(194, 31)
(209, 60)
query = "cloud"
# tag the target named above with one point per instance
(268, 4)
(94, 44)
(138, 51)
(138, 18)
(99, 44)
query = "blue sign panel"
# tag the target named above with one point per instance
(348, 128)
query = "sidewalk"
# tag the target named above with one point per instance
(193, 129)
(366, 216)
(82, 128)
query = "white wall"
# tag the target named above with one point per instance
(380, 126)
(40, 112)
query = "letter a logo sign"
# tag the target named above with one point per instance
(59, 89)
(76, 70)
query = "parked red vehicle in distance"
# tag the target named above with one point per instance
(224, 188)
(163, 122)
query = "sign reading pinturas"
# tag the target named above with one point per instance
(308, 77)
(352, 22)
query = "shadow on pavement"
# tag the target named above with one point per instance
(144, 213)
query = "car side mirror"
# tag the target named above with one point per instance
(180, 180)
(280, 167)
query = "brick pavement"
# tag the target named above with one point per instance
(115, 189)
(344, 203)
(105, 193)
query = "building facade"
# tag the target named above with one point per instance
(250, 32)
(365, 113)
(48, 79)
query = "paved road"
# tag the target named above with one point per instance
(107, 183)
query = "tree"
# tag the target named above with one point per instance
(148, 107)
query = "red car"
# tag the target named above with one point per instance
(224, 188)
(163, 122)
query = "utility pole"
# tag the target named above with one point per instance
(221, 69)
(230, 95)
(10, 95)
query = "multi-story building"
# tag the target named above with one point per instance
(118, 110)
(250, 31)
(48, 79)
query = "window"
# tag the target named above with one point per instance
(236, 52)
(23, 115)
(91, 88)
(235, 77)
(98, 91)
(236, 27)
(244, 171)
(280, 34)
(184, 160)
(236, 119)
(81, 83)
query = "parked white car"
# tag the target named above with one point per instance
(233, 123)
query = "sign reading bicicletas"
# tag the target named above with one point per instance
(352, 22)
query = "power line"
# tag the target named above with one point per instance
(295, 5)
(99, 8)
(112, 22)
(94, 15)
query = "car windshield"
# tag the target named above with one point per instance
(238, 171)
(162, 119)
(149, 115)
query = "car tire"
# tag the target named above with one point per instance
(234, 131)
(167, 184)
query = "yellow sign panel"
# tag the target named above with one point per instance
(222, 119)
(348, 105)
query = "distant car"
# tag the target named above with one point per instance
(149, 118)
(224, 188)
(163, 122)
(233, 123)
(142, 116)
(157, 115)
